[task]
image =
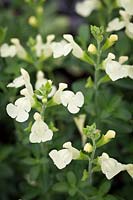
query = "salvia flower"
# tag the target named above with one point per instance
(76, 49)
(17, 82)
(64, 156)
(61, 48)
(111, 167)
(116, 24)
(57, 95)
(20, 51)
(40, 131)
(86, 7)
(127, 5)
(116, 69)
(72, 101)
(7, 51)
(28, 85)
(20, 109)
(67, 98)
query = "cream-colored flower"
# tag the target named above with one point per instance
(61, 48)
(40, 132)
(127, 5)
(20, 51)
(117, 24)
(117, 70)
(58, 93)
(72, 101)
(76, 49)
(39, 45)
(20, 110)
(7, 51)
(129, 168)
(28, 85)
(111, 167)
(86, 7)
(17, 82)
(64, 156)
(47, 48)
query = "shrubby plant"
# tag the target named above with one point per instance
(53, 161)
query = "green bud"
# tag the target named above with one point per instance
(97, 33)
(89, 83)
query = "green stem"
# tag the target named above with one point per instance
(96, 75)
(42, 111)
(91, 162)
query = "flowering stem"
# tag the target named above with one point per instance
(42, 111)
(91, 161)
(96, 76)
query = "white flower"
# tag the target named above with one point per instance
(28, 85)
(68, 99)
(72, 101)
(63, 157)
(40, 132)
(20, 51)
(17, 82)
(42, 81)
(61, 48)
(39, 45)
(7, 51)
(86, 7)
(47, 49)
(20, 110)
(129, 168)
(57, 95)
(127, 5)
(116, 70)
(111, 167)
(117, 24)
(76, 49)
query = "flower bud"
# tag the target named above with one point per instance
(113, 38)
(33, 21)
(88, 148)
(109, 135)
(110, 41)
(39, 9)
(92, 49)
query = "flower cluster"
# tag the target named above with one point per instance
(22, 106)
(117, 24)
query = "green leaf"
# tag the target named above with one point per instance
(61, 187)
(104, 188)
(2, 34)
(110, 197)
(83, 34)
(71, 178)
(85, 175)
(34, 172)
